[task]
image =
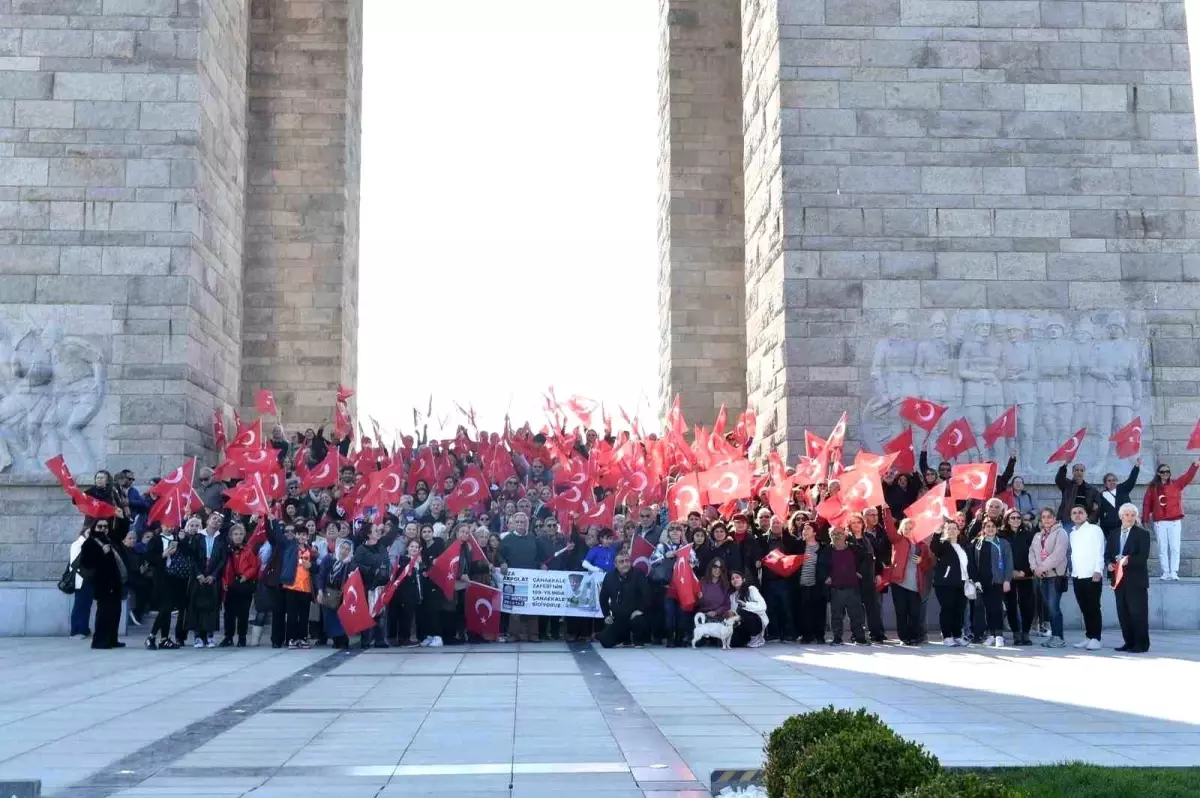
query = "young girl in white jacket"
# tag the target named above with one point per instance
(751, 609)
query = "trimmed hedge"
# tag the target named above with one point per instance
(861, 763)
(788, 743)
(959, 785)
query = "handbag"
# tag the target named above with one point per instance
(66, 582)
(969, 590)
(1061, 583)
(330, 597)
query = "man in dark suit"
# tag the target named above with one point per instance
(1126, 552)
(624, 600)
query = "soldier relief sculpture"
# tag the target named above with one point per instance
(1062, 374)
(52, 386)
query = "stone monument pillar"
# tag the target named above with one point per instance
(701, 299)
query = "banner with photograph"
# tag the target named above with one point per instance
(571, 594)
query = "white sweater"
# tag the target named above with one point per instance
(1087, 551)
(76, 547)
(754, 604)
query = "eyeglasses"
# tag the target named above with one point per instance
(1164, 471)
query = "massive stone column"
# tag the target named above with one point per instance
(121, 219)
(301, 278)
(993, 202)
(701, 298)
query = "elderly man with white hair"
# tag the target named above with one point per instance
(1126, 553)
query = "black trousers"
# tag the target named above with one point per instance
(172, 595)
(295, 608)
(845, 601)
(237, 610)
(108, 622)
(778, 595)
(1087, 594)
(812, 613)
(278, 615)
(989, 622)
(908, 607)
(951, 601)
(622, 629)
(1018, 605)
(873, 609)
(748, 626)
(1133, 613)
(399, 620)
(549, 628)
(658, 617)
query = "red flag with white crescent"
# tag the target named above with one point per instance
(779, 499)
(782, 564)
(344, 394)
(249, 497)
(324, 474)
(921, 412)
(727, 482)
(833, 510)
(861, 489)
(1194, 439)
(640, 551)
(869, 461)
(1003, 427)
(684, 584)
(249, 436)
(1066, 453)
(973, 481)
(597, 513)
(685, 496)
(929, 512)
(1128, 439)
(179, 479)
(443, 572)
(58, 467)
(906, 454)
(355, 612)
(264, 402)
(956, 439)
(170, 510)
(482, 604)
(814, 445)
(746, 428)
(470, 491)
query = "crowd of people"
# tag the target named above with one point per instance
(998, 569)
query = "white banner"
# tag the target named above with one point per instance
(571, 594)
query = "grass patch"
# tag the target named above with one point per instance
(1077, 779)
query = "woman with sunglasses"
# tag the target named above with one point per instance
(1163, 508)
(1018, 602)
(714, 593)
(102, 559)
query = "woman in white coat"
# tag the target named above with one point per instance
(751, 610)
(81, 600)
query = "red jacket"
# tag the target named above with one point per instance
(244, 561)
(1165, 502)
(901, 548)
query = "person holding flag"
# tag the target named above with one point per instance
(332, 572)
(662, 566)
(1163, 506)
(1126, 553)
(373, 562)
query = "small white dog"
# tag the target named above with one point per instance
(718, 630)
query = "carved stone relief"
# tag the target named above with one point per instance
(52, 388)
(1062, 374)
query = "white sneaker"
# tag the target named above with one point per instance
(436, 643)
(77, 637)
(1083, 643)
(211, 644)
(198, 644)
(999, 641)
(1055, 642)
(426, 642)
(1093, 645)
(989, 641)
(958, 641)
(949, 642)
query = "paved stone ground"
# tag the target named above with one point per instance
(545, 720)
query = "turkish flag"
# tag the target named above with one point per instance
(685, 496)
(779, 499)
(906, 453)
(90, 506)
(1194, 439)
(1128, 439)
(597, 513)
(811, 470)
(813, 444)
(179, 479)
(746, 427)
(341, 423)
(956, 439)
(470, 491)
(355, 612)
(833, 510)
(171, 510)
(240, 461)
(219, 441)
(973, 481)
(384, 597)
(921, 412)
(344, 394)
(483, 610)
(837, 438)
(683, 579)
(324, 474)
(423, 468)
(929, 512)
(1119, 572)
(383, 486)
(1003, 427)
(569, 501)
(444, 570)
(879, 463)
(1066, 453)
(782, 564)
(264, 402)
(639, 552)
(249, 436)
(861, 489)
(727, 482)
(249, 497)
(274, 482)
(58, 467)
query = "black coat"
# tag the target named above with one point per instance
(621, 595)
(213, 566)
(1109, 518)
(729, 553)
(1137, 549)
(948, 570)
(105, 574)
(1070, 490)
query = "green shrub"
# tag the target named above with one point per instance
(788, 743)
(959, 785)
(863, 763)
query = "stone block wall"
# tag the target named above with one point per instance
(122, 140)
(701, 297)
(963, 155)
(300, 280)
